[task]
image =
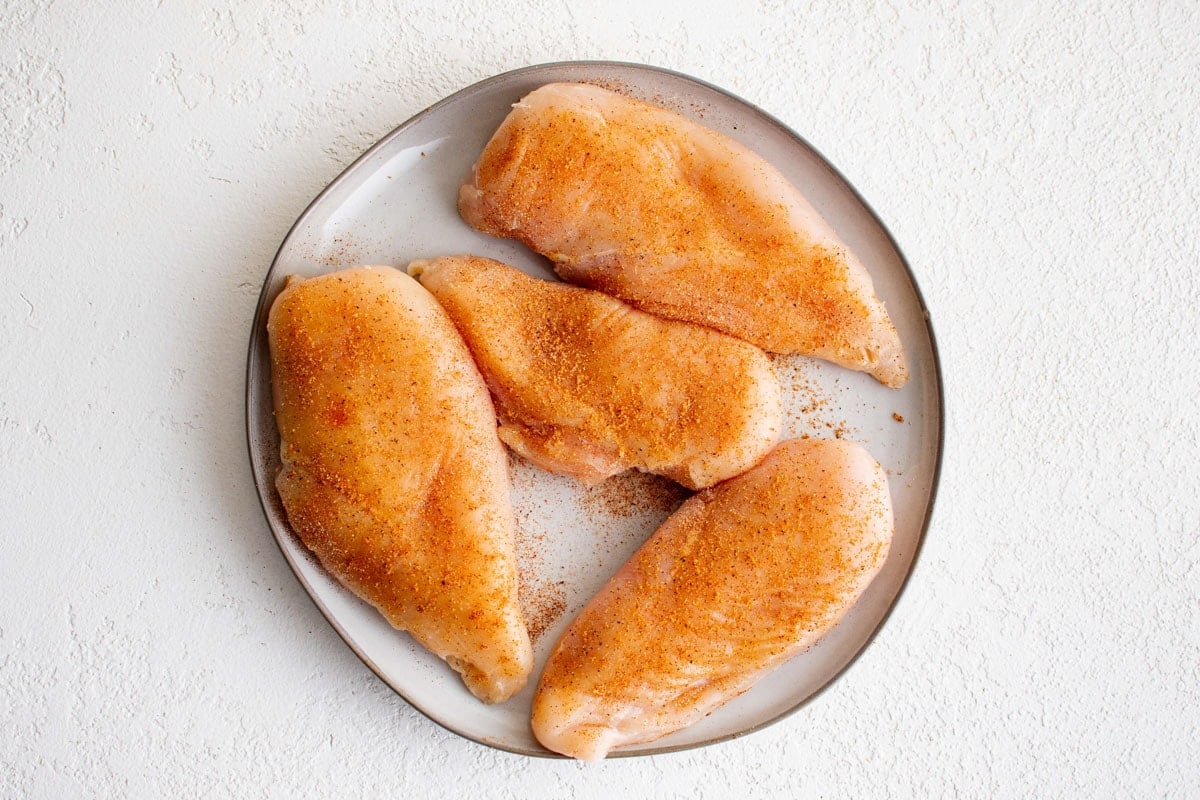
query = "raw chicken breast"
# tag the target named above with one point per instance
(588, 386)
(392, 473)
(741, 577)
(643, 204)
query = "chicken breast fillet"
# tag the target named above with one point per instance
(668, 215)
(741, 577)
(588, 386)
(392, 473)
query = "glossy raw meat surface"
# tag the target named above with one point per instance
(741, 577)
(655, 209)
(588, 386)
(392, 472)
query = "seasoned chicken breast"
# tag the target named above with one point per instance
(646, 205)
(392, 473)
(588, 386)
(741, 577)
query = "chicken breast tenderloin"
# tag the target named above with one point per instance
(392, 473)
(678, 220)
(743, 576)
(588, 386)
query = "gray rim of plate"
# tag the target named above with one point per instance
(263, 484)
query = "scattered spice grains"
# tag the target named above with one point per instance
(541, 605)
(521, 474)
(542, 600)
(612, 85)
(632, 493)
(808, 408)
(341, 253)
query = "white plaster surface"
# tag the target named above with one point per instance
(1038, 165)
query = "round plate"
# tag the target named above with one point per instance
(397, 203)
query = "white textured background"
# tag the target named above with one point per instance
(1039, 166)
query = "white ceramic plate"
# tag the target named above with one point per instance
(397, 203)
